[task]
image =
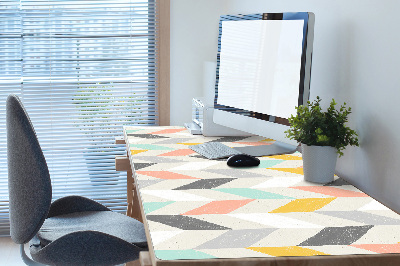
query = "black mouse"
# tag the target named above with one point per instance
(240, 160)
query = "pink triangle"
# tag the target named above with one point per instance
(380, 248)
(168, 131)
(332, 191)
(253, 143)
(181, 152)
(219, 207)
(165, 175)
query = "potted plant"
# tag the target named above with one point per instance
(323, 135)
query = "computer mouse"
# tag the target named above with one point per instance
(242, 160)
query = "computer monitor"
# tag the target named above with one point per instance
(263, 73)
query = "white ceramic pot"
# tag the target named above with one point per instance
(319, 163)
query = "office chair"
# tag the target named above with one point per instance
(70, 231)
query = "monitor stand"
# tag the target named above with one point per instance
(275, 148)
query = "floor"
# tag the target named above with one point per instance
(9, 253)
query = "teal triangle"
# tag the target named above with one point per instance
(185, 254)
(269, 163)
(252, 193)
(131, 131)
(152, 206)
(149, 147)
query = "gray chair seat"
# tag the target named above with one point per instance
(107, 222)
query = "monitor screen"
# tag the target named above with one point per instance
(263, 72)
(260, 63)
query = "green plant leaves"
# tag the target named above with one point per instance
(312, 126)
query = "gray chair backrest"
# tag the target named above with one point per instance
(29, 183)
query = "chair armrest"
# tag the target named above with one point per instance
(72, 204)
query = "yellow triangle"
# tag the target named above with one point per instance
(267, 140)
(133, 152)
(285, 157)
(298, 170)
(304, 205)
(287, 251)
(189, 143)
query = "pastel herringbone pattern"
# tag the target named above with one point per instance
(198, 208)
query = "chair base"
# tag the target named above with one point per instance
(26, 259)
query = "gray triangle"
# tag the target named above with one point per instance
(234, 173)
(156, 159)
(362, 217)
(147, 136)
(172, 141)
(196, 155)
(230, 139)
(185, 222)
(206, 183)
(338, 182)
(139, 166)
(337, 236)
(237, 238)
(147, 183)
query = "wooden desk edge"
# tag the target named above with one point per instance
(146, 226)
(326, 260)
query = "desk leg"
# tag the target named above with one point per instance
(144, 260)
(133, 210)
(132, 196)
(129, 193)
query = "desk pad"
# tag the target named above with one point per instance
(198, 208)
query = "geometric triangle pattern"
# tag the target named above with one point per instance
(196, 208)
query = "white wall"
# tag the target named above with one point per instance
(356, 60)
(194, 41)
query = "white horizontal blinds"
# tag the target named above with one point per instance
(88, 68)
(10, 82)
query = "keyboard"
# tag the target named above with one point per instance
(214, 150)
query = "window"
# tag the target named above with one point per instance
(83, 69)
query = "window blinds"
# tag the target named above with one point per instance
(83, 69)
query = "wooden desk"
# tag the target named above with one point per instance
(201, 212)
